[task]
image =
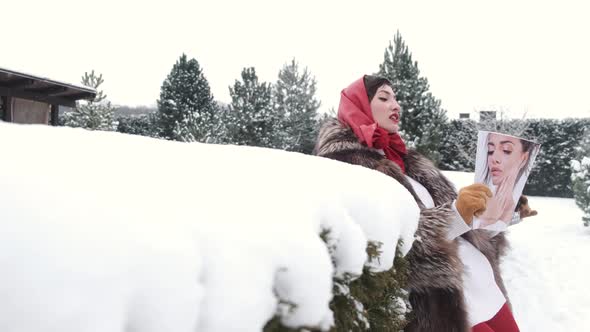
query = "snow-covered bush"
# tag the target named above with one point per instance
(142, 124)
(458, 145)
(581, 186)
(103, 231)
(559, 139)
(580, 168)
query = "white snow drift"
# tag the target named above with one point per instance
(109, 232)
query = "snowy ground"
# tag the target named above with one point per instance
(547, 271)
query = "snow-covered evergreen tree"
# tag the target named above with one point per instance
(96, 114)
(186, 109)
(581, 176)
(251, 119)
(422, 115)
(294, 99)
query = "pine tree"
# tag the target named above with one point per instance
(581, 176)
(96, 114)
(186, 110)
(251, 119)
(294, 99)
(422, 116)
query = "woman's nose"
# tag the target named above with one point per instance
(495, 157)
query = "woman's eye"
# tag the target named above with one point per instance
(508, 152)
(490, 152)
(382, 99)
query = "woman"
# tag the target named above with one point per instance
(506, 170)
(444, 295)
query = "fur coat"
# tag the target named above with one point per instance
(435, 273)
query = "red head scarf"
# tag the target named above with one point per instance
(355, 111)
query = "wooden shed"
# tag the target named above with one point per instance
(31, 99)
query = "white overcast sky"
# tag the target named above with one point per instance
(519, 56)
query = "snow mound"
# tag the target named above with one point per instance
(111, 232)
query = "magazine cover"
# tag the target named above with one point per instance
(503, 163)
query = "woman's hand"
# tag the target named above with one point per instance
(502, 205)
(472, 201)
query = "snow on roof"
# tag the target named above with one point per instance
(11, 74)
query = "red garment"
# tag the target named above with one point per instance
(503, 321)
(355, 111)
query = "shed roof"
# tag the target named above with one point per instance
(26, 86)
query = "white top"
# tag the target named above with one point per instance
(483, 297)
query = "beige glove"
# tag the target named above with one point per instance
(472, 201)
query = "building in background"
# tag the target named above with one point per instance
(30, 99)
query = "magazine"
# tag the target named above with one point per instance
(503, 163)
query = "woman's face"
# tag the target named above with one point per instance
(385, 109)
(505, 156)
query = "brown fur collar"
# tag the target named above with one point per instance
(337, 139)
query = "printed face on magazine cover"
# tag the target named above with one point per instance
(385, 109)
(505, 156)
